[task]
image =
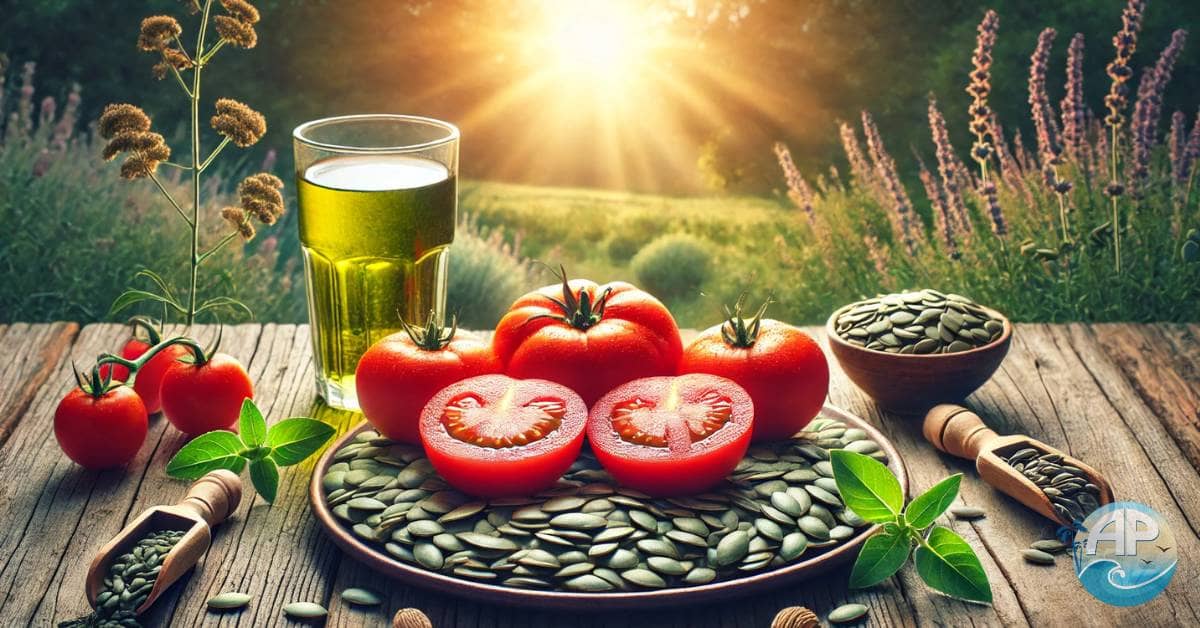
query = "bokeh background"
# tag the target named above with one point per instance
(590, 130)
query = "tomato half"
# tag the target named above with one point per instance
(494, 436)
(672, 435)
(587, 337)
(782, 368)
(398, 375)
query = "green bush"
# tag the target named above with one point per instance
(486, 276)
(674, 266)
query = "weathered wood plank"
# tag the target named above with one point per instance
(28, 356)
(1162, 362)
(1058, 386)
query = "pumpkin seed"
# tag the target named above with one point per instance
(589, 583)
(484, 541)
(847, 613)
(732, 548)
(362, 597)
(228, 600)
(967, 512)
(304, 610)
(644, 578)
(1050, 546)
(1037, 556)
(792, 546)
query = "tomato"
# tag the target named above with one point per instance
(206, 394)
(672, 435)
(101, 432)
(587, 337)
(782, 368)
(398, 375)
(494, 436)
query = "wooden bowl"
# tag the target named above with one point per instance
(911, 383)
(816, 563)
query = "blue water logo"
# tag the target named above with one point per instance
(1125, 554)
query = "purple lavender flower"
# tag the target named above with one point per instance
(943, 223)
(1039, 104)
(858, 163)
(1125, 43)
(948, 166)
(995, 212)
(1176, 143)
(980, 86)
(1148, 108)
(1073, 113)
(798, 189)
(885, 169)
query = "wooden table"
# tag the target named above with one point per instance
(1123, 397)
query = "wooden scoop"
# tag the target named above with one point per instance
(208, 502)
(960, 432)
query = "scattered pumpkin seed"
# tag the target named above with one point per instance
(229, 600)
(304, 610)
(847, 613)
(361, 597)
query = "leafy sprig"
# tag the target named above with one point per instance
(284, 444)
(944, 560)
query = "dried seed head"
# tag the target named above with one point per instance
(238, 122)
(157, 32)
(236, 32)
(145, 151)
(122, 118)
(260, 197)
(171, 57)
(238, 219)
(241, 10)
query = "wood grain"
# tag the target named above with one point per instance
(1122, 398)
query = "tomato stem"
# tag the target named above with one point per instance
(148, 325)
(433, 337)
(579, 311)
(95, 384)
(134, 365)
(737, 330)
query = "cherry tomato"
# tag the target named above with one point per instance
(101, 432)
(494, 436)
(671, 435)
(206, 395)
(398, 375)
(781, 367)
(587, 337)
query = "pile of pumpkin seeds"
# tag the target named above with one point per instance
(1070, 489)
(921, 322)
(130, 579)
(587, 534)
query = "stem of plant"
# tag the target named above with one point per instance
(218, 246)
(174, 203)
(134, 365)
(1116, 217)
(196, 167)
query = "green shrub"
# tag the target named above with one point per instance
(674, 266)
(486, 276)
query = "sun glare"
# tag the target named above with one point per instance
(593, 41)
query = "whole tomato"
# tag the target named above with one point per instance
(149, 377)
(781, 367)
(398, 375)
(205, 393)
(100, 430)
(587, 337)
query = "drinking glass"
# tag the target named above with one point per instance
(378, 202)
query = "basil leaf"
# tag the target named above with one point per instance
(207, 452)
(265, 477)
(251, 425)
(293, 440)
(867, 486)
(946, 563)
(926, 508)
(882, 555)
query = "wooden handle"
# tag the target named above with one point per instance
(215, 496)
(957, 431)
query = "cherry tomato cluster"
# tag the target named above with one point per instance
(103, 422)
(510, 417)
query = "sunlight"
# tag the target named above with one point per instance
(592, 43)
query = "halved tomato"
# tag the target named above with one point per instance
(495, 436)
(672, 435)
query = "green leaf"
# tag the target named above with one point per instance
(867, 486)
(923, 510)
(224, 302)
(882, 555)
(265, 477)
(251, 424)
(133, 297)
(946, 563)
(164, 289)
(293, 440)
(207, 452)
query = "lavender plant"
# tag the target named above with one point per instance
(128, 131)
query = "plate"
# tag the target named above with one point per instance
(706, 593)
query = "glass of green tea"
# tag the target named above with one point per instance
(378, 198)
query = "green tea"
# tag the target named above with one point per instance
(375, 232)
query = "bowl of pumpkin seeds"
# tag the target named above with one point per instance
(589, 541)
(913, 350)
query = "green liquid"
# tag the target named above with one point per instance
(375, 231)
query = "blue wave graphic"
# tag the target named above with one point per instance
(1117, 586)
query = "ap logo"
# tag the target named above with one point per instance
(1125, 554)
